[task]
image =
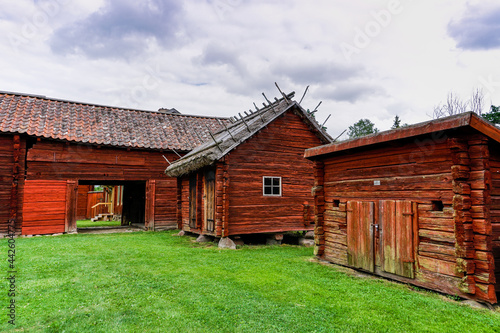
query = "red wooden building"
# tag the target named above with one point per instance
(49, 148)
(251, 177)
(419, 204)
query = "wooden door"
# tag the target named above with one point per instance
(396, 237)
(360, 240)
(44, 207)
(209, 216)
(192, 201)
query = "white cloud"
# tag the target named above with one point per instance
(216, 57)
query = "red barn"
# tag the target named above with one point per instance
(251, 177)
(420, 204)
(49, 148)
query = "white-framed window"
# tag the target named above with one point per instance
(271, 186)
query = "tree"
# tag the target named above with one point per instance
(361, 128)
(455, 105)
(397, 123)
(493, 116)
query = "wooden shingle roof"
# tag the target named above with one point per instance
(227, 139)
(57, 119)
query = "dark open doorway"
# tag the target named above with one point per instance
(121, 203)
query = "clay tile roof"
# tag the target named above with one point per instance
(103, 125)
(240, 131)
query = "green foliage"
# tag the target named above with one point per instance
(361, 128)
(493, 116)
(154, 282)
(397, 123)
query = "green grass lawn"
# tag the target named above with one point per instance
(89, 223)
(154, 282)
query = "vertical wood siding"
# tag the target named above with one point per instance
(44, 207)
(360, 235)
(81, 210)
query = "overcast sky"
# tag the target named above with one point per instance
(362, 59)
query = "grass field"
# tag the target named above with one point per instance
(89, 223)
(155, 282)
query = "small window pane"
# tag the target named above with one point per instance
(272, 186)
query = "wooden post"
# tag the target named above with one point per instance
(225, 200)
(319, 208)
(71, 197)
(219, 203)
(199, 200)
(149, 222)
(179, 203)
(14, 192)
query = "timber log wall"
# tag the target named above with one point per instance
(443, 183)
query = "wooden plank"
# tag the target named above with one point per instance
(360, 234)
(438, 266)
(387, 209)
(438, 236)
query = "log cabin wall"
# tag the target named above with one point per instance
(50, 160)
(12, 159)
(6, 179)
(495, 208)
(480, 260)
(275, 151)
(444, 180)
(12, 149)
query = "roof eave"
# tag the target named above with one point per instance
(457, 121)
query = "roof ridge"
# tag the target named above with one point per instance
(2, 92)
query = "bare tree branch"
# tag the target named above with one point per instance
(455, 105)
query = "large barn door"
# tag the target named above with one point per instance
(396, 237)
(209, 218)
(44, 207)
(360, 242)
(192, 201)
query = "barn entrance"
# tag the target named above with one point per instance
(115, 203)
(381, 234)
